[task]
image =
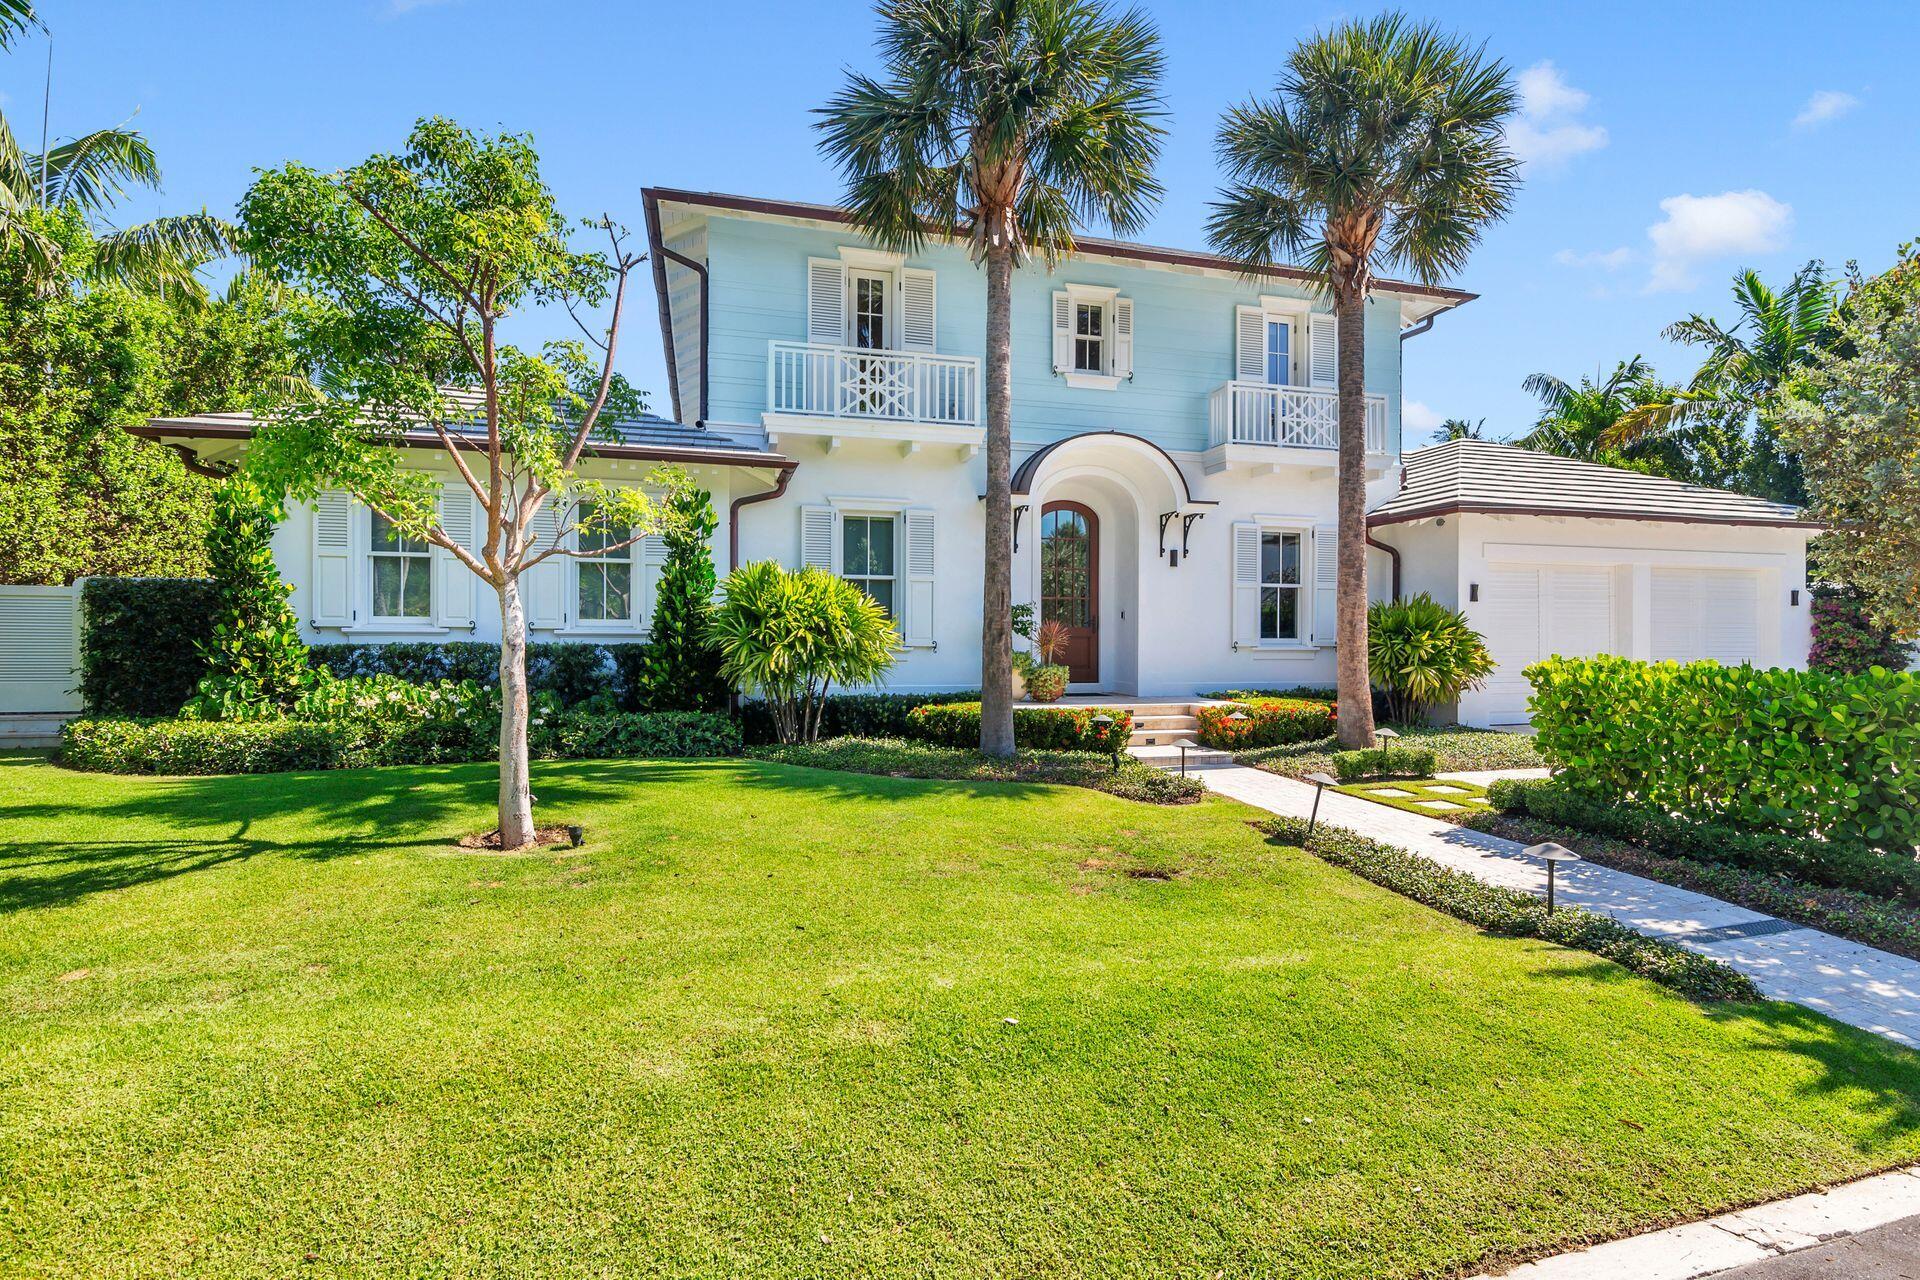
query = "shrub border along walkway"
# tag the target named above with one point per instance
(1851, 983)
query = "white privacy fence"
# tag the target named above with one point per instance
(39, 649)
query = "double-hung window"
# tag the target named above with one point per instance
(605, 571)
(1280, 586)
(867, 557)
(402, 572)
(1089, 337)
(1279, 352)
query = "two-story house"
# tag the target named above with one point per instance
(1174, 456)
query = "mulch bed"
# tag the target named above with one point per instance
(548, 836)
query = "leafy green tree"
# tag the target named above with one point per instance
(1576, 420)
(1381, 150)
(789, 637)
(404, 266)
(1853, 418)
(1778, 333)
(256, 662)
(1460, 429)
(1006, 123)
(681, 669)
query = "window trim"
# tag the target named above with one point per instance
(1104, 297)
(1303, 626)
(633, 621)
(896, 614)
(375, 552)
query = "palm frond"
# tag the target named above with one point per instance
(164, 255)
(17, 18)
(93, 171)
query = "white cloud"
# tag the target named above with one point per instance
(1605, 259)
(1545, 133)
(1824, 107)
(1699, 228)
(1415, 416)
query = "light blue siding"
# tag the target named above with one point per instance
(1183, 333)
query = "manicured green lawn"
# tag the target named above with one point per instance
(785, 1022)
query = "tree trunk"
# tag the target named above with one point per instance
(1350, 657)
(996, 597)
(516, 798)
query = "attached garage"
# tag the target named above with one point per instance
(1548, 556)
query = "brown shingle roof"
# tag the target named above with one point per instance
(1482, 476)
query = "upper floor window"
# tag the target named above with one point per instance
(604, 571)
(402, 572)
(1279, 352)
(866, 556)
(1092, 336)
(1089, 338)
(867, 309)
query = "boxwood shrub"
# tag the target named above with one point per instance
(852, 715)
(1805, 858)
(1516, 913)
(1270, 722)
(1808, 753)
(1385, 762)
(957, 724)
(139, 643)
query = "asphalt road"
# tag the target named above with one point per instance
(1891, 1252)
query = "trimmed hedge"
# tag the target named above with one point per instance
(1808, 753)
(957, 724)
(140, 642)
(1515, 913)
(276, 746)
(893, 758)
(852, 715)
(1385, 762)
(1303, 692)
(608, 675)
(1804, 858)
(1270, 722)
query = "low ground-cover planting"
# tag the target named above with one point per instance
(1447, 798)
(1453, 747)
(774, 1020)
(1887, 923)
(897, 758)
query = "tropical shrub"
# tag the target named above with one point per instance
(1423, 654)
(1805, 753)
(1269, 722)
(1045, 677)
(255, 659)
(1847, 641)
(681, 670)
(1384, 762)
(892, 758)
(957, 724)
(1515, 913)
(789, 637)
(1805, 858)
(1046, 682)
(140, 642)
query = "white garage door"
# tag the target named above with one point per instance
(1530, 612)
(1706, 613)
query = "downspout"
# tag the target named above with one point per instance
(1393, 558)
(733, 512)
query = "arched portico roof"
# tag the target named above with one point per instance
(1141, 447)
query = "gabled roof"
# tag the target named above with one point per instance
(1488, 478)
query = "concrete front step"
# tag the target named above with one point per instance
(1169, 723)
(1168, 757)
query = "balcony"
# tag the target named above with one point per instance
(851, 392)
(1257, 413)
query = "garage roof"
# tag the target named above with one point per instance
(1485, 477)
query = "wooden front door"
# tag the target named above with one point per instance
(1070, 583)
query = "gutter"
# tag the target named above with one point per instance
(1377, 520)
(733, 512)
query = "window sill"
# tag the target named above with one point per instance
(397, 627)
(1282, 649)
(1091, 381)
(630, 629)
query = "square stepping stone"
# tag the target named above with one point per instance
(1439, 789)
(1438, 806)
(1392, 793)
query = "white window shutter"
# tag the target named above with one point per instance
(1062, 332)
(1123, 337)
(453, 582)
(916, 309)
(332, 577)
(1246, 584)
(1249, 344)
(543, 588)
(1323, 338)
(918, 624)
(819, 548)
(1326, 585)
(649, 562)
(827, 301)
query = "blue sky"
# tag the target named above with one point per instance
(1671, 142)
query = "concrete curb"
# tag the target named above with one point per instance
(1735, 1239)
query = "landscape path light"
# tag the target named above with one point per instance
(1321, 782)
(1553, 855)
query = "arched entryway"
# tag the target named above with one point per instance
(1070, 583)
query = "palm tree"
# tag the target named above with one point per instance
(1007, 123)
(88, 175)
(1382, 149)
(1778, 333)
(1580, 421)
(1460, 429)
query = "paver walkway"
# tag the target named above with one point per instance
(1848, 981)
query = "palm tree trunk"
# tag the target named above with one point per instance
(516, 798)
(1350, 657)
(996, 596)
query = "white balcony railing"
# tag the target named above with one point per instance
(1286, 417)
(851, 382)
